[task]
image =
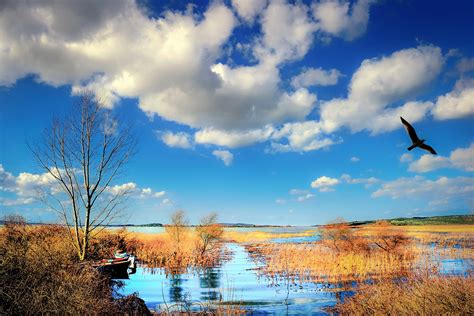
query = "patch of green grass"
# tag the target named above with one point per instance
(435, 220)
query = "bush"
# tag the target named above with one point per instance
(39, 274)
(419, 295)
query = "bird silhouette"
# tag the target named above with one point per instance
(414, 138)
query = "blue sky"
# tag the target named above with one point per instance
(267, 112)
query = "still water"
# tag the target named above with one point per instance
(236, 280)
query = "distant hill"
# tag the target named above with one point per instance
(435, 220)
(425, 220)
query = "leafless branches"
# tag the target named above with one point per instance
(84, 153)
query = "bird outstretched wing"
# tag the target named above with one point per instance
(428, 148)
(410, 130)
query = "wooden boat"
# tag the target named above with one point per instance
(117, 268)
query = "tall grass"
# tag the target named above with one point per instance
(39, 275)
(261, 236)
(417, 295)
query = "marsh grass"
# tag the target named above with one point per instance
(39, 274)
(370, 253)
(261, 236)
(160, 251)
(420, 294)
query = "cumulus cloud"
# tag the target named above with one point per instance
(316, 77)
(180, 139)
(301, 137)
(355, 159)
(443, 189)
(226, 156)
(324, 184)
(380, 82)
(233, 139)
(287, 31)
(27, 187)
(249, 10)
(340, 18)
(461, 158)
(368, 182)
(457, 103)
(406, 157)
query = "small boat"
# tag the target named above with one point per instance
(118, 266)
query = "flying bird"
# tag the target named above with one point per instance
(415, 140)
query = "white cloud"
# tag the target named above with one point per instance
(355, 159)
(298, 192)
(305, 197)
(301, 137)
(341, 19)
(316, 77)
(280, 201)
(233, 139)
(406, 157)
(429, 162)
(368, 182)
(180, 139)
(125, 188)
(249, 10)
(457, 103)
(29, 186)
(380, 82)
(287, 32)
(166, 202)
(465, 65)
(324, 184)
(461, 158)
(444, 189)
(226, 156)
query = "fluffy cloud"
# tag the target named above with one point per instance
(366, 181)
(406, 157)
(380, 82)
(226, 156)
(29, 186)
(341, 19)
(180, 139)
(233, 139)
(457, 103)
(248, 10)
(301, 137)
(316, 77)
(287, 30)
(324, 184)
(461, 158)
(460, 189)
(355, 159)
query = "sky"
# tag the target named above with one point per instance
(266, 112)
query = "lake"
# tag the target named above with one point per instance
(238, 280)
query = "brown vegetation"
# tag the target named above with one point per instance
(181, 247)
(39, 274)
(417, 295)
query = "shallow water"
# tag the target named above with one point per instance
(237, 280)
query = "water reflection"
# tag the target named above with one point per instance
(176, 291)
(209, 280)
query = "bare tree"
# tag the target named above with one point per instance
(177, 228)
(208, 232)
(85, 152)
